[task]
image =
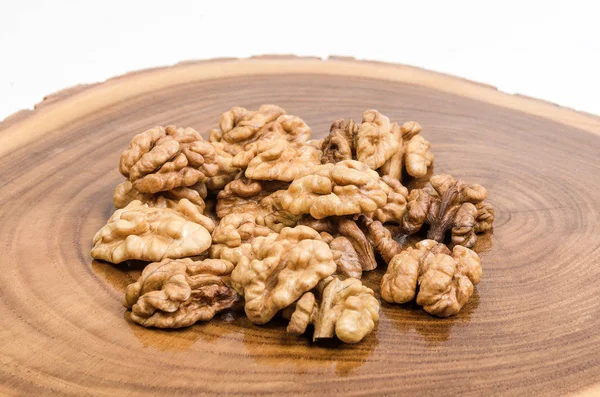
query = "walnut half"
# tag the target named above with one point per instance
(152, 234)
(449, 205)
(178, 293)
(165, 158)
(347, 309)
(345, 188)
(445, 280)
(282, 269)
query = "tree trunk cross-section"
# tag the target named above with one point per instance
(531, 328)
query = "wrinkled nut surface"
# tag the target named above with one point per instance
(241, 195)
(417, 156)
(375, 142)
(281, 161)
(232, 237)
(240, 128)
(303, 314)
(445, 279)
(399, 283)
(125, 193)
(380, 237)
(448, 281)
(484, 218)
(348, 261)
(298, 221)
(152, 234)
(393, 166)
(348, 310)
(237, 228)
(395, 206)
(221, 167)
(364, 251)
(345, 188)
(166, 158)
(339, 144)
(262, 199)
(177, 293)
(361, 252)
(446, 204)
(282, 270)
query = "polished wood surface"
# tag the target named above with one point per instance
(531, 328)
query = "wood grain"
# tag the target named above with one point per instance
(532, 327)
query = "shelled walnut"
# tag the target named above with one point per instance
(339, 144)
(165, 158)
(345, 188)
(279, 160)
(445, 279)
(346, 309)
(345, 227)
(374, 141)
(290, 223)
(125, 193)
(262, 199)
(387, 147)
(152, 234)
(177, 293)
(240, 128)
(232, 237)
(223, 170)
(380, 237)
(417, 157)
(243, 195)
(281, 271)
(449, 205)
(348, 261)
(395, 206)
(484, 218)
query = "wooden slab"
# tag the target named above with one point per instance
(532, 327)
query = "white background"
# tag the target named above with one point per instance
(545, 49)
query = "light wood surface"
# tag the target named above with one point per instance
(531, 328)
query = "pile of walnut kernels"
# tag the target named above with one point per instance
(261, 215)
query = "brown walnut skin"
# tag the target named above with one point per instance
(178, 293)
(484, 218)
(222, 167)
(344, 227)
(232, 238)
(348, 263)
(447, 205)
(239, 196)
(259, 198)
(302, 314)
(239, 126)
(364, 250)
(380, 237)
(339, 144)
